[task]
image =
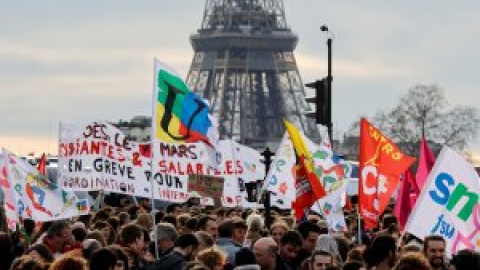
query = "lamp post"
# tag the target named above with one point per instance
(329, 123)
(267, 155)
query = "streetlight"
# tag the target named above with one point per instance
(329, 123)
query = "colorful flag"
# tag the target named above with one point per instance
(180, 116)
(403, 205)
(380, 164)
(305, 160)
(328, 166)
(37, 197)
(280, 180)
(449, 204)
(425, 165)
(330, 206)
(11, 213)
(42, 165)
(308, 186)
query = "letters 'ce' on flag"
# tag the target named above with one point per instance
(380, 164)
(180, 115)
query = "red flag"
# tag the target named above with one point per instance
(308, 186)
(403, 205)
(425, 164)
(348, 204)
(380, 165)
(42, 165)
(304, 197)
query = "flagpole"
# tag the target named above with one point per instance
(359, 225)
(152, 136)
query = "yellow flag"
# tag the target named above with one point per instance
(305, 158)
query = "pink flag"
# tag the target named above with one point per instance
(403, 205)
(426, 161)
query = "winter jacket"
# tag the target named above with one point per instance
(229, 247)
(172, 261)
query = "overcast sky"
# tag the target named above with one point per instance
(85, 60)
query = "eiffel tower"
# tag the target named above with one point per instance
(245, 68)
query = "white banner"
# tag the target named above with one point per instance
(175, 162)
(37, 197)
(98, 156)
(448, 204)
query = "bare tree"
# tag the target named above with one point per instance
(425, 110)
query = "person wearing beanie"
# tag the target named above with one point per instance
(245, 260)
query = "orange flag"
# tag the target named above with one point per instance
(381, 164)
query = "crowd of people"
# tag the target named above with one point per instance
(191, 237)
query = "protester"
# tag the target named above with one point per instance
(122, 258)
(89, 246)
(245, 260)
(6, 251)
(265, 250)
(328, 243)
(131, 237)
(97, 235)
(105, 259)
(59, 238)
(465, 259)
(434, 250)
(209, 225)
(174, 209)
(381, 254)
(226, 242)
(310, 233)
(69, 263)
(107, 231)
(185, 249)
(166, 237)
(290, 245)
(321, 260)
(27, 262)
(39, 252)
(414, 261)
(255, 225)
(213, 258)
(239, 229)
(204, 240)
(277, 230)
(145, 221)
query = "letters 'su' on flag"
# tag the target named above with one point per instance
(381, 164)
(180, 116)
(305, 162)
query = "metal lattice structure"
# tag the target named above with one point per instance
(245, 67)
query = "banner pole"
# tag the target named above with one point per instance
(152, 136)
(359, 225)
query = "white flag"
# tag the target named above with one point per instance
(449, 204)
(37, 197)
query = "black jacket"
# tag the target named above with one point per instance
(172, 261)
(281, 264)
